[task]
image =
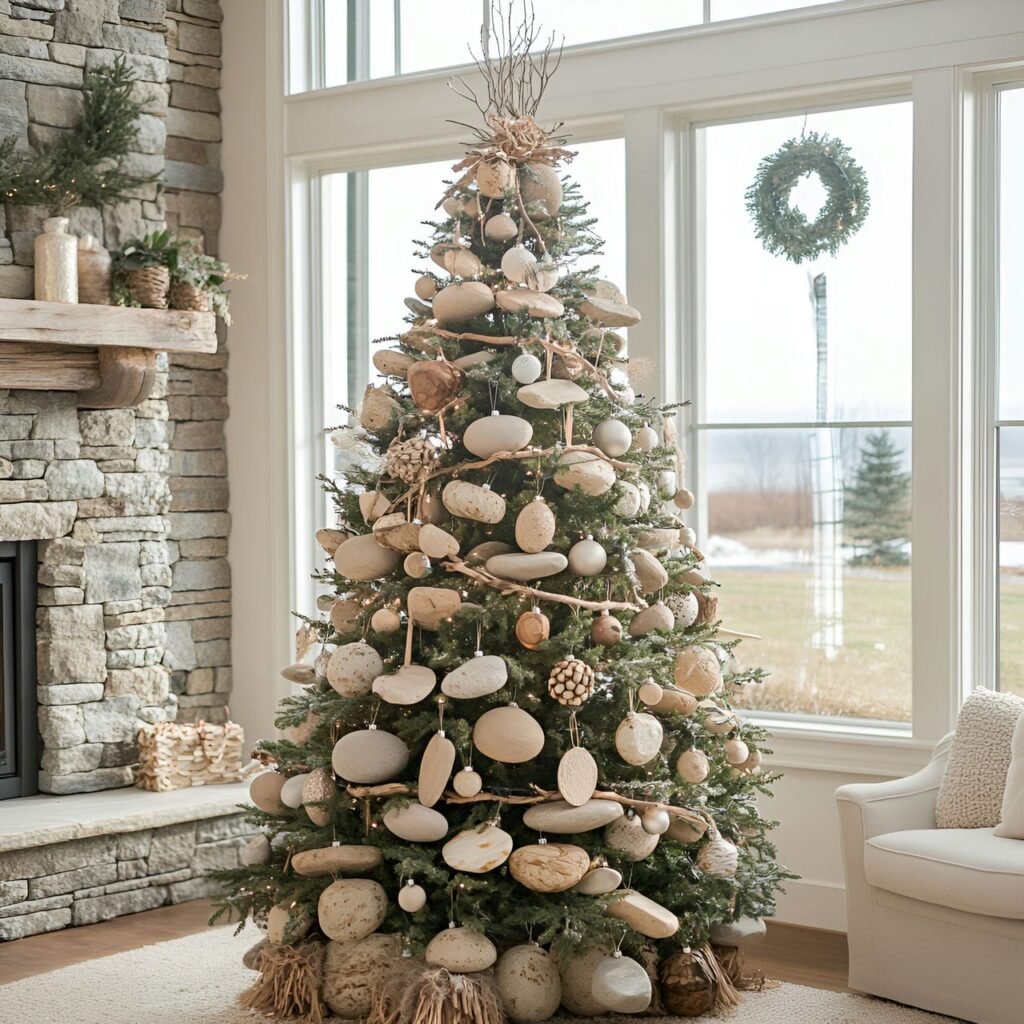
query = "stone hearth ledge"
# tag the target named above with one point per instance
(34, 821)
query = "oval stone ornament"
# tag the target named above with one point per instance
(428, 607)
(352, 908)
(562, 818)
(477, 677)
(492, 434)
(435, 769)
(549, 867)
(347, 859)
(528, 983)
(369, 756)
(508, 735)
(577, 776)
(523, 567)
(416, 824)
(478, 850)
(409, 685)
(461, 950)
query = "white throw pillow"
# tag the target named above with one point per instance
(1011, 825)
(971, 792)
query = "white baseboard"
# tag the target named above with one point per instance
(813, 904)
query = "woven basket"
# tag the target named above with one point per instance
(186, 296)
(149, 286)
(177, 755)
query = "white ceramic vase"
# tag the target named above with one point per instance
(56, 262)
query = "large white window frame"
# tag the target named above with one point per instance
(940, 53)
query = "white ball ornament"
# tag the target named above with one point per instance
(526, 368)
(684, 498)
(613, 437)
(467, 782)
(693, 766)
(628, 504)
(412, 897)
(587, 558)
(638, 738)
(385, 621)
(646, 438)
(655, 821)
(517, 263)
(621, 984)
(736, 751)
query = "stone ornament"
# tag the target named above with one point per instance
(352, 669)
(643, 915)
(508, 735)
(529, 984)
(577, 974)
(363, 559)
(649, 571)
(656, 616)
(478, 677)
(530, 301)
(351, 909)
(435, 769)
(287, 923)
(552, 394)
(346, 859)
(291, 791)
(628, 838)
(416, 823)
(541, 190)
(559, 817)
(492, 434)
(549, 867)
(352, 969)
(524, 567)
(479, 850)
(436, 543)
(599, 881)
(577, 776)
(535, 526)
(428, 607)
(394, 531)
(698, 671)
(460, 302)
(471, 501)
(621, 985)
(265, 792)
(409, 685)
(584, 470)
(369, 756)
(461, 950)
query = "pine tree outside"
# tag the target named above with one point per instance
(877, 505)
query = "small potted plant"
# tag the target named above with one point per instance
(197, 283)
(142, 270)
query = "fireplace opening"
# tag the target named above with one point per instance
(19, 728)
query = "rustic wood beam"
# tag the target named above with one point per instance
(48, 367)
(126, 379)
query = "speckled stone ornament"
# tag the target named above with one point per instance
(532, 629)
(606, 630)
(571, 681)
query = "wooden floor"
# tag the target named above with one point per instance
(800, 955)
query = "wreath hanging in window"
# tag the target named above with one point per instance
(784, 229)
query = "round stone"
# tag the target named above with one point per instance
(346, 859)
(461, 950)
(352, 908)
(352, 969)
(562, 818)
(528, 983)
(416, 824)
(369, 756)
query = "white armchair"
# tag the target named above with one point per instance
(935, 916)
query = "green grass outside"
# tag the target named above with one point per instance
(870, 677)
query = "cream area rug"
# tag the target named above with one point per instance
(196, 980)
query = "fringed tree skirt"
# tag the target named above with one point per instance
(197, 980)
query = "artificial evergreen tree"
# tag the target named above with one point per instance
(515, 744)
(877, 504)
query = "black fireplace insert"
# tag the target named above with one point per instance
(19, 729)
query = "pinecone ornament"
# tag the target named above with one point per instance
(571, 682)
(410, 460)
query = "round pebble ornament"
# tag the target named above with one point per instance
(541, 190)
(613, 437)
(736, 751)
(462, 263)
(684, 499)
(408, 685)
(500, 228)
(363, 559)
(471, 501)
(646, 438)
(412, 897)
(526, 368)
(516, 263)
(291, 791)
(299, 673)
(650, 693)
(571, 682)
(478, 850)
(369, 756)
(535, 526)
(353, 668)
(592, 475)
(508, 735)
(629, 839)
(416, 824)
(385, 621)
(693, 766)
(416, 565)
(435, 769)
(425, 288)
(528, 983)
(497, 433)
(628, 504)
(483, 674)
(638, 738)
(353, 969)
(352, 908)
(698, 671)
(467, 782)
(656, 616)
(461, 951)
(436, 543)
(457, 303)
(549, 867)
(430, 606)
(621, 984)
(685, 609)
(532, 629)
(655, 821)
(606, 630)
(649, 571)
(587, 558)
(577, 973)
(288, 922)
(265, 792)
(599, 881)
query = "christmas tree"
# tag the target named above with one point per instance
(515, 748)
(877, 504)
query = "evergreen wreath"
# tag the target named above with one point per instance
(87, 164)
(784, 229)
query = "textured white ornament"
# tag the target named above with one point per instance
(685, 607)
(526, 368)
(621, 985)
(655, 821)
(638, 738)
(412, 897)
(517, 263)
(291, 791)
(646, 438)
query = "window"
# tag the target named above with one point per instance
(360, 39)
(1010, 414)
(802, 424)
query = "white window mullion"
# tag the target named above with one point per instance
(937, 403)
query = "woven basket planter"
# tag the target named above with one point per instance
(149, 286)
(186, 296)
(176, 755)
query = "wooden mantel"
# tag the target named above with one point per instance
(105, 353)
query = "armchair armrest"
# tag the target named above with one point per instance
(899, 804)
